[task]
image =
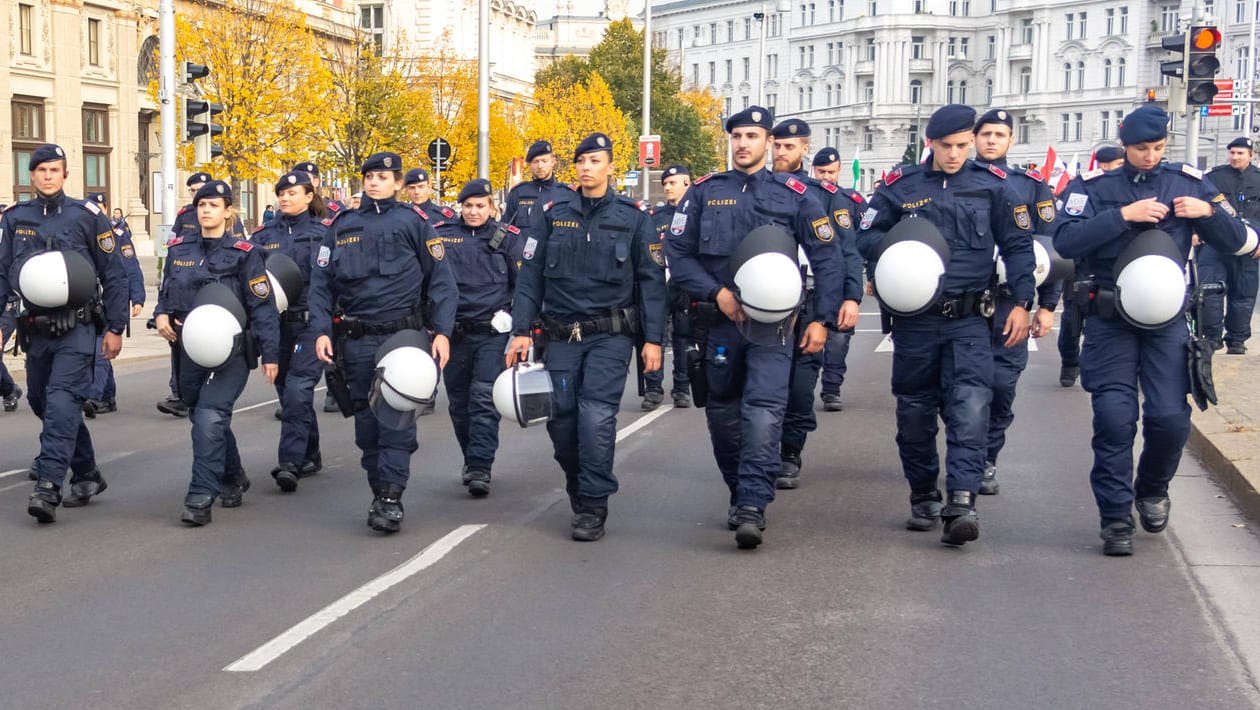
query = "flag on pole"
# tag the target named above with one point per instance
(1048, 167)
(856, 167)
(1058, 177)
(1093, 160)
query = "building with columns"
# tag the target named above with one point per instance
(867, 74)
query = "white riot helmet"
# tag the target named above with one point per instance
(406, 379)
(1050, 265)
(57, 279)
(768, 283)
(1150, 280)
(522, 393)
(910, 267)
(286, 280)
(213, 330)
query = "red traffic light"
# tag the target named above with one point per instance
(1205, 38)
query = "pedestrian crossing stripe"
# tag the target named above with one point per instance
(886, 345)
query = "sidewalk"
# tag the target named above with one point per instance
(1227, 437)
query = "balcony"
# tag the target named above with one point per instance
(1020, 51)
(921, 66)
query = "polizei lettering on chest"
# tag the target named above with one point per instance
(353, 239)
(181, 262)
(719, 203)
(567, 223)
(916, 204)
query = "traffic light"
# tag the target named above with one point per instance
(199, 125)
(1198, 64)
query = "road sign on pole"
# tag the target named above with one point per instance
(649, 151)
(1216, 110)
(631, 179)
(439, 150)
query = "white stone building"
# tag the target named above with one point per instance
(867, 74)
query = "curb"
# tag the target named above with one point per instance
(1225, 472)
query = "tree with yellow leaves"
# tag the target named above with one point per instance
(565, 115)
(267, 73)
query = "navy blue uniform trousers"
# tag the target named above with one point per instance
(7, 322)
(1071, 326)
(1116, 359)
(1008, 365)
(942, 368)
(298, 374)
(588, 378)
(385, 451)
(834, 366)
(1227, 316)
(210, 396)
(476, 360)
(58, 373)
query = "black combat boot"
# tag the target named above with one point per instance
(311, 466)
(1117, 537)
(478, 483)
(789, 468)
(43, 502)
(83, 487)
(750, 521)
(1153, 512)
(925, 511)
(962, 525)
(386, 512)
(197, 509)
(286, 475)
(988, 480)
(588, 519)
(234, 491)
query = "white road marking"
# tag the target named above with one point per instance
(644, 421)
(14, 472)
(270, 401)
(313, 624)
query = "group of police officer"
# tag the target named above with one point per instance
(967, 257)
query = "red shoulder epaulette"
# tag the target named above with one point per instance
(997, 171)
(447, 213)
(513, 229)
(547, 207)
(183, 209)
(892, 177)
(1033, 174)
(857, 196)
(829, 187)
(243, 246)
(333, 205)
(417, 210)
(439, 224)
(643, 206)
(173, 241)
(797, 186)
(327, 221)
(702, 179)
(572, 187)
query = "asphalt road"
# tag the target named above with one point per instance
(117, 605)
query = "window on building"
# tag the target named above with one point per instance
(372, 21)
(990, 49)
(918, 7)
(1240, 10)
(812, 14)
(809, 97)
(1025, 80)
(772, 100)
(1120, 65)
(831, 11)
(868, 91)
(1240, 122)
(747, 68)
(868, 138)
(953, 8)
(1069, 21)
(962, 91)
(713, 33)
(730, 30)
(713, 74)
(951, 47)
(730, 70)
(1106, 73)
(1080, 75)
(1169, 18)
(1124, 20)
(727, 103)
(800, 62)
(951, 87)
(1067, 126)
(26, 30)
(918, 49)
(743, 102)
(870, 49)
(1105, 133)
(747, 28)
(28, 134)
(912, 137)
(811, 55)
(1209, 8)
(1084, 18)
(1078, 125)
(695, 35)
(964, 8)
(1026, 30)
(96, 149)
(1067, 76)
(871, 8)
(963, 44)
(1240, 66)
(802, 14)
(916, 91)
(94, 42)
(1022, 131)
(1110, 20)
(695, 75)
(988, 91)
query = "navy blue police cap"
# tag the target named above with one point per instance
(197, 179)
(97, 197)
(751, 116)
(214, 188)
(477, 187)
(415, 176)
(950, 119)
(591, 144)
(45, 153)
(1144, 124)
(994, 115)
(826, 156)
(311, 168)
(290, 179)
(1108, 153)
(673, 170)
(1240, 142)
(382, 161)
(791, 128)
(538, 148)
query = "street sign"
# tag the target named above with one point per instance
(1215, 110)
(631, 179)
(649, 151)
(439, 151)
(1224, 91)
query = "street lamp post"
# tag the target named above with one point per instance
(761, 55)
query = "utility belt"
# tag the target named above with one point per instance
(353, 328)
(469, 327)
(292, 316)
(58, 322)
(1096, 299)
(964, 305)
(619, 321)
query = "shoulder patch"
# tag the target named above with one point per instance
(894, 176)
(436, 248)
(1030, 172)
(1045, 211)
(260, 286)
(513, 229)
(417, 210)
(656, 251)
(1022, 220)
(829, 187)
(1192, 171)
(91, 207)
(243, 246)
(105, 241)
(1075, 203)
(699, 180)
(823, 230)
(843, 218)
(173, 241)
(1090, 175)
(1220, 201)
(997, 171)
(796, 185)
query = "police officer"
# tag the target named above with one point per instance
(522, 198)
(483, 254)
(593, 271)
(826, 165)
(674, 183)
(10, 392)
(1227, 317)
(420, 190)
(1072, 322)
(374, 264)
(791, 144)
(297, 232)
(102, 394)
(331, 207)
(994, 138)
(60, 338)
(1103, 214)
(211, 255)
(943, 361)
(747, 379)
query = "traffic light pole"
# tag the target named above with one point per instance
(168, 101)
(1192, 135)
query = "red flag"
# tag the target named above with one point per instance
(1093, 161)
(1048, 167)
